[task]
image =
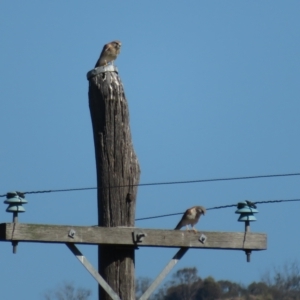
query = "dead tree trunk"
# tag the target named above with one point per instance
(118, 174)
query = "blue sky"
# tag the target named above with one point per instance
(213, 91)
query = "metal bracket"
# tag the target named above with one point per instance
(71, 233)
(93, 272)
(202, 238)
(138, 236)
(164, 273)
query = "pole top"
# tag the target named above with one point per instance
(103, 69)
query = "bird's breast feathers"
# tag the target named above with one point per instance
(191, 213)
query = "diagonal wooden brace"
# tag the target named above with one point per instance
(93, 271)
(164, 273)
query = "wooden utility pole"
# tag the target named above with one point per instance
(118, 174)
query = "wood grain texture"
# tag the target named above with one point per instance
(118, 174)
(122, 236)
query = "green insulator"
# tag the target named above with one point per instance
(246, 210)
(246, 217)
(15, 201)
(15, 208)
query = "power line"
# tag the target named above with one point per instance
(219, 207)
(56, 191)
(165, 183)
(220, 179)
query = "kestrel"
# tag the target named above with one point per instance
(109, 53)
(191, 217)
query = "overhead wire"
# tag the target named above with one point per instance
(181, 182)
(164, 183)
(218, 207)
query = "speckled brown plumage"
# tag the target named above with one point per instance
(191, 217)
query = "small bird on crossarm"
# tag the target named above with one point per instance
(191, 217)
(109, 53)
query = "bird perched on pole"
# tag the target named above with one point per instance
(191, 217)
(109, 53)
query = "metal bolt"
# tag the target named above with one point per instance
(138, 236)
(72, 233)
(202, 238)
(15, 245)
(248, 254)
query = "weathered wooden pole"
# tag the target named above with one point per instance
(118, 174)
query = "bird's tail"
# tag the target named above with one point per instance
(178, 226)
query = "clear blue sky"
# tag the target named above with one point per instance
(213, 91)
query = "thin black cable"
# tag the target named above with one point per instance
(174, 214)
(276, 201)
(219, 207)
(165, 183)
(55, 191)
